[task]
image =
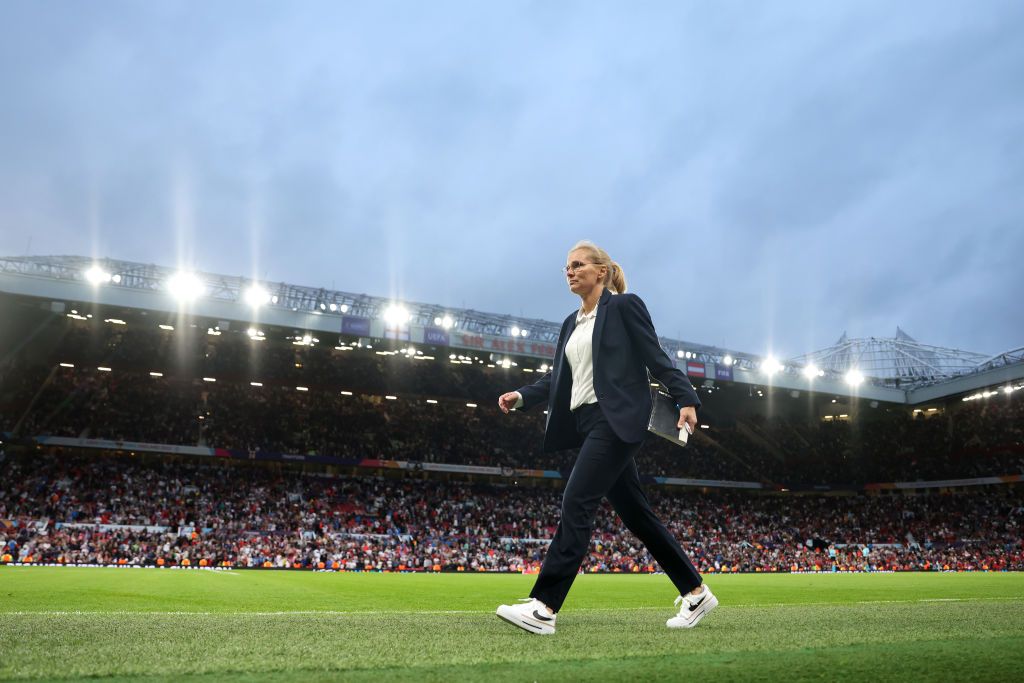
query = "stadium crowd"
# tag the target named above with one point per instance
(155, 392)
(73, 507)
(77, 402)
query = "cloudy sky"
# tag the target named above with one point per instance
(769, 175)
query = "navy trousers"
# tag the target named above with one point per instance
(605, 468)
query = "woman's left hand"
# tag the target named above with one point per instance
(688, 416)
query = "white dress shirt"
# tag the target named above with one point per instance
(579, 351)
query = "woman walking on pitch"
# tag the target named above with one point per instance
(598, 399)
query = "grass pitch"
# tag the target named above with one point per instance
(77, 623)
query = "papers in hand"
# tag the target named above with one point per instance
(684, 433)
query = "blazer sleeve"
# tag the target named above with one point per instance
(539, 391)
(535, 393)
(645, 339)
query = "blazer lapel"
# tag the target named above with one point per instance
(560, 351)
(599, 323)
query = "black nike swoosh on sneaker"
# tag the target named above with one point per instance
(536, 615)
(697, 604)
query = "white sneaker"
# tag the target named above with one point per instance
(532, 616)
(694, 608)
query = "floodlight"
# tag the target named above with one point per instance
(810, 371)
(333, 307)
(770, 366)
(515, 331)
(343, 308)
(396, 315)
(97, 276)
(680, 353)
(854, 377)
(256, 296)
(184, 286)
(447, 322)
(727, 360)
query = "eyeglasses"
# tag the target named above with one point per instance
(573, 267)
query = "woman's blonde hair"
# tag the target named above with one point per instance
(614, 279)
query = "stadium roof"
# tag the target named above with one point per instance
(898, 361)
(894, 370)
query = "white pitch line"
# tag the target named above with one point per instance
(456, 611)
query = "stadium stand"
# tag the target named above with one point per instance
(788, 451)
(358, 456)
(173, 511)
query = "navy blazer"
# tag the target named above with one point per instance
(625, 347)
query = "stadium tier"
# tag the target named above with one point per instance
(173, 511)
(174, 384)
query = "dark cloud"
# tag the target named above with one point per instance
(769, 177)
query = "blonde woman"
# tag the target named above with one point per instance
(598, 399)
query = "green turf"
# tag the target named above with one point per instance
(277, 626)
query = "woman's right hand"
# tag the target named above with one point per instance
(508, 401)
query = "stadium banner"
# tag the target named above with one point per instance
(464, 469)
(397, 332)
(416, 465)
(695, 369)
(946, 483)
(295, 457)
(715, 483)
(153, 529)
(479, 342)
(541, 474)
(461, 469)
(72, 442)
(357, 327)
(436, 336)
(723, 372)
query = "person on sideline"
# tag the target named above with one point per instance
(601, 404)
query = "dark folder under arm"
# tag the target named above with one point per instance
(665, 417)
